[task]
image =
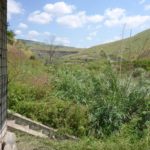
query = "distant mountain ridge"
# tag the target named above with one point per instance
(134, 47)
(44, 46)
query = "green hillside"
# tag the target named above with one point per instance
(43, 46)
(107, 107)
(137, 46)
(132, 48)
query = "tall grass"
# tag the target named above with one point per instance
(112, 101)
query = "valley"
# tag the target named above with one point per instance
(100, 94)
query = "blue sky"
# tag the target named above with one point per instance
(79, 23)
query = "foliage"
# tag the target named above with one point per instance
(112, 101)
(73, 85)
(87, 99)
(10, 36)
(145, 64)
(67, 117)
(22, 92)
(120, 141)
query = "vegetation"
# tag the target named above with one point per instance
(10, 36)
(122, 141)
(45, 46)
(132, 48)
(106, 104)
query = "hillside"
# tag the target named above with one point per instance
(42, 50)
(137, 46)
(34, 45)
(104, 107)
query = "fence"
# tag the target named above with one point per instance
(3, 66)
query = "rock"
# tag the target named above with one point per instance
(10, 141)
(7, 147)
(10, 138)
(15, 147)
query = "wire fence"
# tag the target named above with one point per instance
(3, 64)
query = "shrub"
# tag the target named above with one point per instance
(19, 92)
(91, 102)
(145, 64)
(138, 72)
(32, 57)
(117, 103)
(71, 117)
(73, 85)
(112, 101)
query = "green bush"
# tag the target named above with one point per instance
(138, 72)
(23, 92)
(112, 101)
(145, 64)
(91, 102)
(73, 85)
(117, 103)
(71, 117)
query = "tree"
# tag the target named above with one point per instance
(51, 50)
(10, 36)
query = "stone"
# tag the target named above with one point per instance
(10, 138)
(15, 147)
(10, 141)
(7, 147)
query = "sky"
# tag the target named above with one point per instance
(78, 23)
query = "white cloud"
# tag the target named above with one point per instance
(48, 38)
(113, 16)
(63, 13)
(115, 13)
(40, 17)
(59, 8)
(23, 25)
(14, 7)
(112, 22)
(47, 33)
(118, 17)
(91, 35)
(94, 18)
(135, 21)
(79, 19)
(72, 21)
(18, 32)
(50, 11)
(62, 41)
(56, 40)
(147, 7)
(115, 38)
(33, 35)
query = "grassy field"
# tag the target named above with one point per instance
(105, 104)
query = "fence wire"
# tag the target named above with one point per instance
(3, 64)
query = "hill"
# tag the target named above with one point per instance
(137, 46)
(34, 45)
(42, 50)
(105, 107)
